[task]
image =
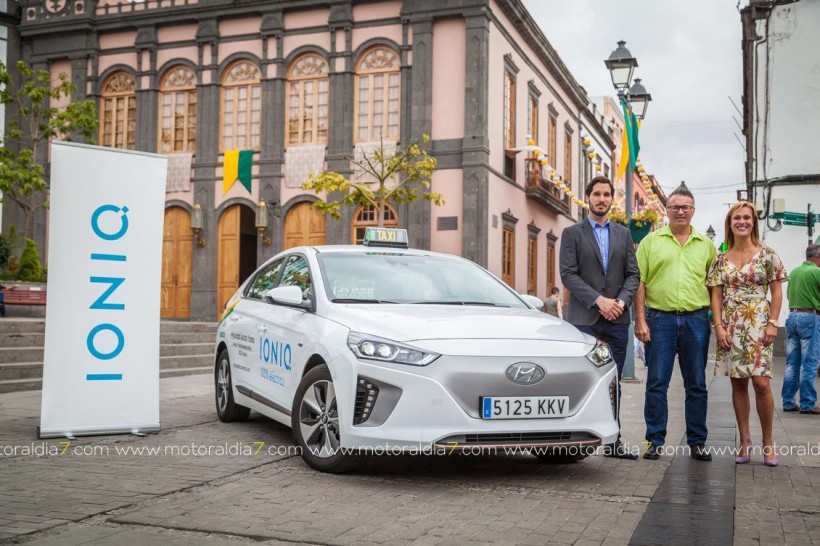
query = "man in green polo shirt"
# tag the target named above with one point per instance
(803, 335)
(671, 318)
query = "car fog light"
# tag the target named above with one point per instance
(366, 394)
(613, 396)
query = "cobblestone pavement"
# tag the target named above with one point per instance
(102, 490)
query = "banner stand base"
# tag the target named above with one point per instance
(72, 433)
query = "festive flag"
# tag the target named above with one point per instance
(624, 161)
(630, 147)
(237, 166)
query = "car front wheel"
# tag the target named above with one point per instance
(226, 409)
(315, 422)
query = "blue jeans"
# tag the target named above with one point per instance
(802, 359)
(687, 336)
(616, 336)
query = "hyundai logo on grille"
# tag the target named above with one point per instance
(525, 373)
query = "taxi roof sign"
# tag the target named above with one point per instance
(379, 236)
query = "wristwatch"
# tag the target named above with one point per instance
(773, 322)
(621, 303)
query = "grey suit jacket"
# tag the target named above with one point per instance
(582, 271)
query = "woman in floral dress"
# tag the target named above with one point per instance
(745, 322)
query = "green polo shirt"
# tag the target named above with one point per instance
(804, 287)
(675, 275)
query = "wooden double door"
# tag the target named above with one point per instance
(177, 254)
(304, 225)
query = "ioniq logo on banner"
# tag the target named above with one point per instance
(101, 365)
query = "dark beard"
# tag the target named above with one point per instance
(594, 212)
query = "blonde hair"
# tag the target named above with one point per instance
(730, 237)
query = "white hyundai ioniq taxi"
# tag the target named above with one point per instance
(383, 349)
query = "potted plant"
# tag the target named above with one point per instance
(639, 222)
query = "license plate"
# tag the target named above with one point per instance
(524, 407)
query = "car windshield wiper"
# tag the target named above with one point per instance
(358, 300)
(456, 302)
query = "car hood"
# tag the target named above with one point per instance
(414, 323)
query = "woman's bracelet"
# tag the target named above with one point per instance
(715, 325)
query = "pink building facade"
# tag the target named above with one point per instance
(305, 86)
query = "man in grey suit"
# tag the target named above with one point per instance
(598, 267)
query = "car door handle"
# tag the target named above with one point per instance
(261, 327)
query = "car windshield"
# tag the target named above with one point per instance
(397, 278)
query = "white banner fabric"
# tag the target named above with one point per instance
(101, 365)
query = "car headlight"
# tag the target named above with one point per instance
(600, 355)
(375, 348)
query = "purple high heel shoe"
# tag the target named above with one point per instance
(770, 462)
(747, 458)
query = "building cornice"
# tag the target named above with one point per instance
(532, 34)
(600, 131)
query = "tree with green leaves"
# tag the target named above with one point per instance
(33, 122)
(396, 177)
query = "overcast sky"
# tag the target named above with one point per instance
(689, 59)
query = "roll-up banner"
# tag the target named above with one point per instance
(101, 365)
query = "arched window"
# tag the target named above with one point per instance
(366, 216)
(241, 107)
(118, 112)
(177, 111)
(307, 101)
(378, 95)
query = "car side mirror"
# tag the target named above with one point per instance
(532, 301)
(288, 295)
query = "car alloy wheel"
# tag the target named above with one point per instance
(319, 419)
(315, 424)
(226, 409)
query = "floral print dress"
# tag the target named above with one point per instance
(746, 312)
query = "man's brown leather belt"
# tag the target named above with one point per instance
(816, 312)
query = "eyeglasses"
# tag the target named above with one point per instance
(684, 208)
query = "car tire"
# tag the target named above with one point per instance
(568, 454)
(226, 409)
(315, 424)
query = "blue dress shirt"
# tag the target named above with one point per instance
(602, 236)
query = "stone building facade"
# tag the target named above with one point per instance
(306, 84)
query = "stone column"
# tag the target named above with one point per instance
(147, 90)
(417, 214)
(476, 151)
(340, 119)
(272, 139)
(277, 109)
(204, 266)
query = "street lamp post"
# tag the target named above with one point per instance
(622, 65)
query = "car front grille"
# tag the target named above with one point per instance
(519, 438)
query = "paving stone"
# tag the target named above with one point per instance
(394, 500)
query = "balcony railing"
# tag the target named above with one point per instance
(538, 187)
(118, 7)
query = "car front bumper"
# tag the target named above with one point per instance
(428, 413)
